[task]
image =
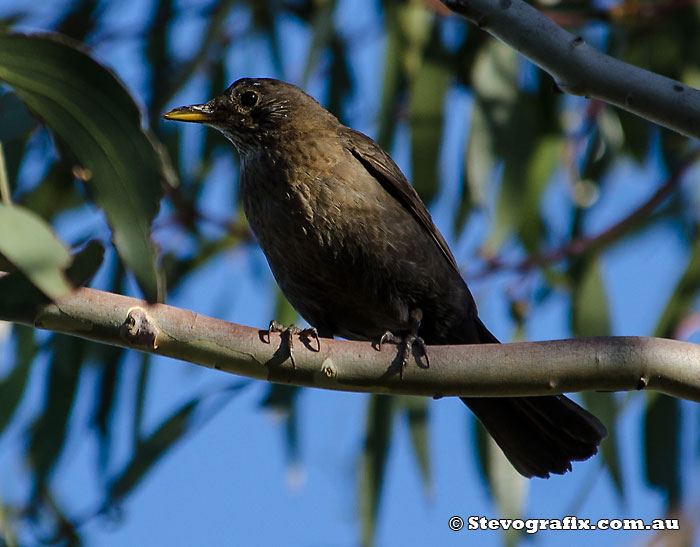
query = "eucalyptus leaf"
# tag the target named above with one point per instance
(31, 246)
(99, 124)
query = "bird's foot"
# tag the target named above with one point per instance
(407, 342)
(288, 334)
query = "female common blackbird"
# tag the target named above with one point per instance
(356, 252)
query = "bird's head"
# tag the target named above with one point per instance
(256, 112)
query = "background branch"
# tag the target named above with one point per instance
(580, 69)
(527, 368)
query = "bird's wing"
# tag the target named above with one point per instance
(388, 174)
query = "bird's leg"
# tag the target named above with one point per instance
(288, 334)
(407, 342)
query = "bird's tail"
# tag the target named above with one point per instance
(538, 435)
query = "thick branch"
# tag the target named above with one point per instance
(533, 368)
(580, 69)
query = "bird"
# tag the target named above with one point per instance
(357, 254)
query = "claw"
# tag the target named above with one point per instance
(407, 342)
(288, 334)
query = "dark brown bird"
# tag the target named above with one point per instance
(356, 252)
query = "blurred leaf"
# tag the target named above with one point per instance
(15, 119)
(590, 317)
(151, 449)
(416, 23)
(78, 20)
(494, 76)
(322, 31)
(340, 76)
(394, 78)
(30, 244)
(19, 298)
(503, 483)
(518, 128)
(417, 412)
(13, 385)
(428, 89)
(603, 406)
(662, 446)
(637, 132)
(99, 123)
(86, 262)
(539, 168)
(379, 425)
(48, 432)
(681, 300)
(140, 399)
(589, 306)
(55, 194)
(105, 404)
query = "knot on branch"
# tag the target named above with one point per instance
(139, 329)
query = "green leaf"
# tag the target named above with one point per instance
(379, 425)
(86, 262)
(604, 407)
(150, 450)
(394, 78)
(97, 121)
(494, 79)
(417, 412)
(541, 164)
(503, 483)
(681, 301)
(428, 89)
(49, 431)
(322, 31)
(662, 445)
(55, 194)
(105, 403)
(12, 386)
(15, 119)
(31, 246)
(589, 307)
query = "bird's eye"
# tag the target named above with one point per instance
(249, 99)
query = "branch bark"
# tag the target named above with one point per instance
(580, 69)
(527, 368)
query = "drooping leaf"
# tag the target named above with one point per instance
(662, 463)
(86, 262)
(681, 300)
(590, 317)
(603, 406)
(589, 306)
(13, 385)
(151, 449)
(416, 409)
(15, 119)
(503, 483)
(322, 31)
(105, 403)
(428, 89)
(55, 194)
(378, 433)
(32, 247)
(99, 124)
(48, 433)
(148, 451)
(494, 76)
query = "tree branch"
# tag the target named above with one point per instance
(580, 69)
(532, 368)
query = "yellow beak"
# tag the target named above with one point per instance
(198, 113)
